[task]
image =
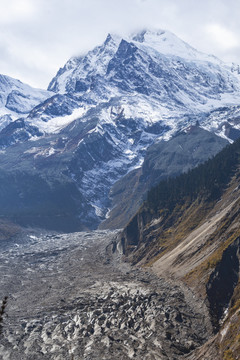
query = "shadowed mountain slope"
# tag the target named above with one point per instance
(163, 160)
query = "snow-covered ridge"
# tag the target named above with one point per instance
(148, 62)
(17, 99)
(85, 67)
(167, 43)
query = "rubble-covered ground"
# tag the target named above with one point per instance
(70, 298)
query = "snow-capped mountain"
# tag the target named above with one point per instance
(151, 76)
(17, 99)
(161, 76)
(104, 109)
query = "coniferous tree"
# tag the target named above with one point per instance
(208, 179)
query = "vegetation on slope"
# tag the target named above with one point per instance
(208, 179)
(176, 206)
(188, 228)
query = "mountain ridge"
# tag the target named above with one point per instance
(110, 105)
(17, 99)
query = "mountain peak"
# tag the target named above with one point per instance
(17, 98)
(112, 38)
(143, 35)
(167, 43)
(137, 63)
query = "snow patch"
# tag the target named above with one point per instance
(46, 152)
(56, 124)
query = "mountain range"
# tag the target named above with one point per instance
(141, 134)
(96, 121)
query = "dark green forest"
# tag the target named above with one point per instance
(208, 180)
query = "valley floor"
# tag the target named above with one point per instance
(70, 298)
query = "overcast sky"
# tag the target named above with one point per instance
(39, 36)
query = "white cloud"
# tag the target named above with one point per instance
(222, 37)
(17, 10)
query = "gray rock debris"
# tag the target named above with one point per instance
(67, 302)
